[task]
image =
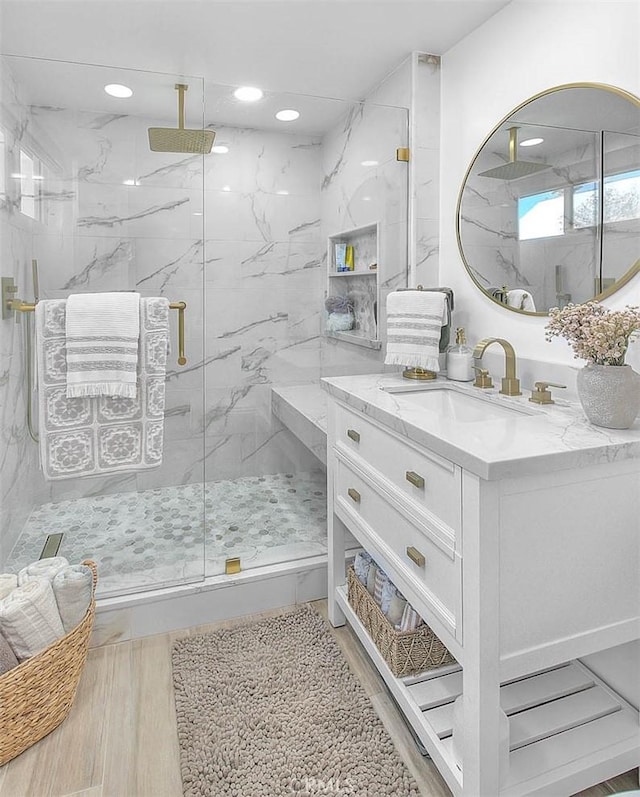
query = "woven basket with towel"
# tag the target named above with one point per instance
(38, 694)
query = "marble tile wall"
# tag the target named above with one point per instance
(18, 454)
(356, 194)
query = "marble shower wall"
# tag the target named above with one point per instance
(18, 454)
(355, 194)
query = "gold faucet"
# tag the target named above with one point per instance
(510, 383)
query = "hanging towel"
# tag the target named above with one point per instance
(102, 331)
(73, 587)
(29, 618)
(7, 657)
(8, 582)
(414, 323)
(105, 434)
(520, 299)
(42, 568)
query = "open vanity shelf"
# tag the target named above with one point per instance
(521, 574)
(560, 718)
(361, 285)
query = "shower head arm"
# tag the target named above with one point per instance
(513, 144)
(181, 88)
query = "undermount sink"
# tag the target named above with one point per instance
(460, 407)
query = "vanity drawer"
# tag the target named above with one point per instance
(428, 480)
(416, 563)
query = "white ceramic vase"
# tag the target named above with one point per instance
(609, 394)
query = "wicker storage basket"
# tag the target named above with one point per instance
(37, 695)
(406, 652)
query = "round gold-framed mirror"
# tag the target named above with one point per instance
(549, 209)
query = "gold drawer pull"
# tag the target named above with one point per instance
(355, 436)
(414, 478)
(354, 495)
(415, 556)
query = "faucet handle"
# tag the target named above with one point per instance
(541, 395)
(483, 378)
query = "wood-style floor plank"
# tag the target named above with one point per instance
(120, 738)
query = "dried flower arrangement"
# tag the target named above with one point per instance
(595, 333)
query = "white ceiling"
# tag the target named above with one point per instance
(329, 48)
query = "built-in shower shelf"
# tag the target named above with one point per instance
(563, 721)
(357, 340)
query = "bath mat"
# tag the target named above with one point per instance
(271, 709)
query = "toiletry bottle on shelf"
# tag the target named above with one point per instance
(460, 359)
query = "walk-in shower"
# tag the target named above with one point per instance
(238, 235)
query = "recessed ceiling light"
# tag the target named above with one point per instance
(220, 149)
(531, 142)
(118, 90)
(366, 199)
(248, 94)
(282, 193)
(369, 163)
(287, 115)
(226, 188)
(197, 213)
(130, 182)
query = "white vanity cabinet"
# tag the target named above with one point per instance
(526, 570)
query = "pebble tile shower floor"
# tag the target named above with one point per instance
(155, 537)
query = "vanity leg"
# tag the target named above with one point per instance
(481, 673)
(336, 568)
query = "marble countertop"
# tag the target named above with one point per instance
(547, 438)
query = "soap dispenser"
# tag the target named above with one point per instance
(460, 359)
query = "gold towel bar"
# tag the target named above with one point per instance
(27, 307)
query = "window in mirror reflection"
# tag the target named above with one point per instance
(541, 215)
(621, 200)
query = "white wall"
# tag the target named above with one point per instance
(525, 48)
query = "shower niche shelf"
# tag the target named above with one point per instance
(361, 285)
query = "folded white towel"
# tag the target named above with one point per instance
(521, 299)
(43, 568)
(102, 331)
(29, 618)
(8, 582)
(380, 581)
(388, 593)
(414, 323)
(73, 587)
(396, 609)
(371, 578)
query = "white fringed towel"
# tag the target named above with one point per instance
(8, 658)
(72, 588)
(43, 568)
(102, 331)
(8, 582)
(414, 323)
(29, 618)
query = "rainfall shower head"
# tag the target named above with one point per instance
(515, 168)
(180, 139)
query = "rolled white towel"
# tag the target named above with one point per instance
(8, 582)
(72, 588)
(43, 568)
(29, 618)
(7, 657)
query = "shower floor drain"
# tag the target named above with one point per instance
(51, 546)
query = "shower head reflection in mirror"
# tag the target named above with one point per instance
(563, 225)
